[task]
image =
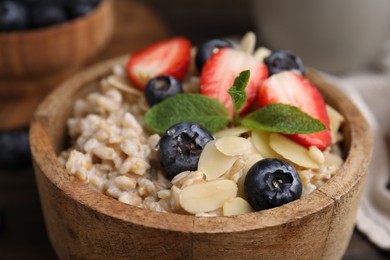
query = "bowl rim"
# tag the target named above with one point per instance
(55, 27)
(45, 159)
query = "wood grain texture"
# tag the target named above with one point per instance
(85, 224)
(41, 51)
(25, 236)
(346, 187)
(20, 96)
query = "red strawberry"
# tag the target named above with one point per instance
(292, 88)
(170, 57)
(223, 67)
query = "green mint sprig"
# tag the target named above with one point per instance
(214, 116)
(238, 94)
(196, 108)
(282, 118)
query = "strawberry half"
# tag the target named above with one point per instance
(292, 88)
(223, 67)
(171, 57)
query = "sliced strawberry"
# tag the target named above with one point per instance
(171, 57)
(292, 88)
(223, 67)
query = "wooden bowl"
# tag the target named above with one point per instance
(82, 223)
(41, 51)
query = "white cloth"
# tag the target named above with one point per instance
(370, 90)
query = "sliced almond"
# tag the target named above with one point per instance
(207, 196)
(188, 178)
(335, 119)
(248, 42)
(236, 171)
(332, 160)
(236, 206)
(260, 140)
(232, 145)
(317, 155)
(261, 53)
(252, 159)
(120, 83)
(252, 149)
(234, 131)
(213, 163)
(292, 151)
(119, 70)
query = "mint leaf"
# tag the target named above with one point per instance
(237, 91)
(196, 108)
(282, 118)
(238, 94)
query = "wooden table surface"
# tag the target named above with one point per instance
(24, 236)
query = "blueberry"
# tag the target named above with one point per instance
(43, 15)
(81, 7)
(14, 149)
(283, 60)
(208, 48)
(180, 147)
(271, 183)
(13, 16)
(44, 2)
(160, 88)
(32, 2)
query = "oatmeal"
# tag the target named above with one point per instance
(114, 152)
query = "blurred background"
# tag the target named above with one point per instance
(203, 20)
(357, 32)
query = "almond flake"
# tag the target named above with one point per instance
(234, 131)
(236, 206)
(252, 149)
(292, 151)
(213, 163)
(335, 119)
(317, 155)
(232, 145)
(332, 160)
(261, 53)
(207, 196)
(260, 140)
(248, 42)
(252, 159)
(120, 83)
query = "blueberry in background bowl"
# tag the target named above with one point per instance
(78, 8)
(43, 15)
(17, 15)
(13, 16)
(46, 51)
(14, 149)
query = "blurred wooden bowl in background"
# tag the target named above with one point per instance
(40, 56)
